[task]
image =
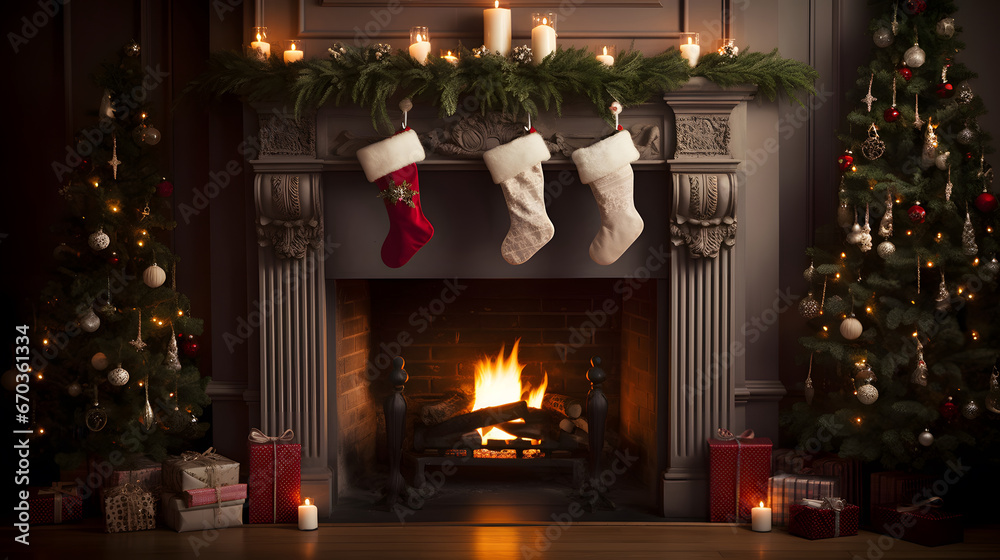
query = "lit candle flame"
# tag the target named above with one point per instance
(762, 504)
(293, 46)
(605, 50)
(545, 21)
(419, 38)
(690, 40)
(307, 501)
(496, 3)
(258, 37)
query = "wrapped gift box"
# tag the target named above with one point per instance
(190, 471)
(220, 515)
(823, 522)
(898, 487)
(128, 508)
(789, 461)
(754, 458)
(275, 478)
(926, 526)
(60, 503)
(848, 471)
(142, 471)
(205, 496)
(783, 490)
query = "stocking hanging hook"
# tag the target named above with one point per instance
(405, 105)
(616, 109)
(528, 128)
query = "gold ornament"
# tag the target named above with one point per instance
(873, 147)
(399, 193)
(114, 161)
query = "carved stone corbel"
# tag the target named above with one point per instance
(705, 212)
(282, 135)
(289, 213)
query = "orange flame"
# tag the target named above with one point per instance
(499, 382)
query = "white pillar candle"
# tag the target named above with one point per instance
(691, 51)
(308, 517)
(452, 58)
(606, 58)
(760, 519)
(420, 44)
(262, 48)
(543, 37)
(293, 54)
(496, 29)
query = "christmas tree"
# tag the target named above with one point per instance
(113, 338)
(903, 289)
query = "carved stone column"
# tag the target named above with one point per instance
(703, 226)
(292, 300)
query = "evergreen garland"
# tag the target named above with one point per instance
(369, 77)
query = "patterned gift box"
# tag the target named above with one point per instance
(142, 471)
(205, 496)
(275, 478)
(833, 518)
(783, 490)
(219, 515)
(738, 466)
(895, 487)
(59, 503)
(927, 526)
(847, 470)
(128, 508)
(190, 471)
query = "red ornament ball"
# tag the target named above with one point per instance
(891, 114)
(917, 214)
(164, 189)
(113, 259)
(949, 409)
(986, 202)
(189, 346)
(945, 90)
(916, 6)
(906, 73)
(845, 161)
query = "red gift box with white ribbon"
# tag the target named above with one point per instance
(738, 470)
(275, 478)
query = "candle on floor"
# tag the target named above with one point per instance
(496, 29)
(447, 55)
(690, 49)
(309, 517)
(760, 519)
(261, 48)
(420, 43)
(543, 36)
(293, 54)
(607, 58)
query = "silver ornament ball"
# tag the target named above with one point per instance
(154, 276)
(965, 136)
(914, 57)
(151, 136)
(882, 37)
(992, 267)
(118, 376)
(941, 161)
(99, 240)
(945, 28)
(74, 389)
(90, 322)
(867, 394)
(885, 249)
(854, 237)
(810, 273)
(926, 438)
(971, 410)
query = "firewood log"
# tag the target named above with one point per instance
(567, 406)
(456, 403)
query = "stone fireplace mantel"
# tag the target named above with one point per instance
(702, 125)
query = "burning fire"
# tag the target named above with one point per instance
(499, 382)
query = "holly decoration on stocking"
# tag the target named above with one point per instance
(517, 167)
(391, 164)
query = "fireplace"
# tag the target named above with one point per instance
(337, 315)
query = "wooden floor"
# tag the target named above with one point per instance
(438, 542)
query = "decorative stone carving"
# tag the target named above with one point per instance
(702, 135)
(282, 135)
(289, 216)
(646, 138)
(705, 217)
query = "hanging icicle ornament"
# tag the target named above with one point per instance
(969, 246)
(895, 21)
(114, 162)
(869, 99)
(918, 123)
(96, 417)
(173, 359)
(809, 391)
(942, 301)
(949, 186)
(148, 419)
(138, 344)
(919, 376)
(873, 147)
(108, 309)
(892, 113)
(929, 153)
(885, 226)
(865, 242)
(993, 396)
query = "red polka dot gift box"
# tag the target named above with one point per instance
(823, 519)
(275, 478)
(738, 469)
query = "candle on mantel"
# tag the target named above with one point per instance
(760, 519)
(690, 49)
(449, 57)
(543, 36)
(606, 58)
(496, 29)
(293, 54)
(308, 517)
(420, 43)
(261, 46)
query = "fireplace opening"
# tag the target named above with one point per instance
(541, 333)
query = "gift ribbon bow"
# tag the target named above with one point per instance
(933, 501)
(726, 435)
(257, 436)
(57, 490)
(836, 504)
